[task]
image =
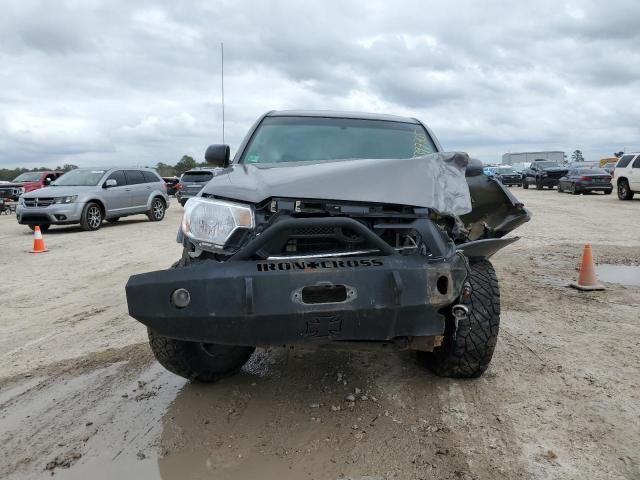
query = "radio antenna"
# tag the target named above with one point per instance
(222, 84)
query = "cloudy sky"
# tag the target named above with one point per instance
(95, 82)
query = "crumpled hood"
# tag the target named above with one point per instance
(434, 181)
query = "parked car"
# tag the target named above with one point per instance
(543, 173)
(172, 184)
(192, 182)
(27, 182)
(583, 180)
(89, 196)
(626, 176)
(333, 227)
(573, 165)
(507, 175)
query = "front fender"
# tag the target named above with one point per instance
(496, 211)
(485, 248)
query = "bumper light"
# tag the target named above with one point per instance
(181, 297)
(210, 223)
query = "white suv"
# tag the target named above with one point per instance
(626, 176)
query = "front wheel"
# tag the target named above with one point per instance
(573, 189)
(560, 188)
(204, 362)
(467, 350)
(525, 185)
(157, 210)
(91, 217)
(538, 185)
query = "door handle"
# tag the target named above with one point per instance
(148, 188)
(127, 189)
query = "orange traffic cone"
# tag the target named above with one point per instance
(38, 241)
(587, 279)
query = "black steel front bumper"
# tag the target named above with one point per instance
(264, 303)
(548, 181)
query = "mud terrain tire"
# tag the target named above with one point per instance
(204, 362)
(469, 352)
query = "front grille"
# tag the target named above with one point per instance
(313, 232)
(5, 193)
(315, 244)
(556, 174)
(34, 219)
(37, 202)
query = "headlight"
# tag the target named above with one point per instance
(69, 199)
(210, 223)
(544, 174)
(22, 190)
(21, 200)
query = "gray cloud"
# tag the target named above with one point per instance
(109, 82)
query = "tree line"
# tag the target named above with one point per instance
(184, 164)
(164, 169)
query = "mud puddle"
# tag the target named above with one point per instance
(621, 274)
(289, 415)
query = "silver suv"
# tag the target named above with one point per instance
(193, 181)
(89, 196)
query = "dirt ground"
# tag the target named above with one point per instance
(82, 397)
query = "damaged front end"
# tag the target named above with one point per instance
(290, 270)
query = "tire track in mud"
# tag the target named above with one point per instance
(49, 410)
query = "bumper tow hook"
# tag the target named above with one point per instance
(460, 312)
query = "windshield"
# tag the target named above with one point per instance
(28, 177)
(293, 139)
(547, 164)
(79, 178)
(199, 177)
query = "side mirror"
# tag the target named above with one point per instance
(47, 181)
(217, 155)
(111, 182)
